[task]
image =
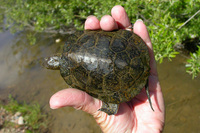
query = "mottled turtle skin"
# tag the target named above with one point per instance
(111, 66)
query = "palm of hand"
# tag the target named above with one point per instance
(133, 116)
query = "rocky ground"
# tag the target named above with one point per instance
(11, 123)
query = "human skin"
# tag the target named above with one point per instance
(134, 116)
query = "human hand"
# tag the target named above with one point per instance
(134, 116)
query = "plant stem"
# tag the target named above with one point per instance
(188, 20)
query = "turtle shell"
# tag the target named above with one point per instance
(111, 66)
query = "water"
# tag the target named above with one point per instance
(181, 95)
(22, 76)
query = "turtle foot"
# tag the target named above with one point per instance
(109, 108)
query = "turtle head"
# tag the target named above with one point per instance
(52, 62)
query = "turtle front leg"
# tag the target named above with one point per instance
(109, 108)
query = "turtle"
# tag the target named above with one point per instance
(112, 66)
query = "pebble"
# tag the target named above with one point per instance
(58, 40)
(17, 118)
(20, 121)
(17, 114)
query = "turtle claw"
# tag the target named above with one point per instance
(147, 91)
(109, 108)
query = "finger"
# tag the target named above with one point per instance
(107, 23)
(75, 98)
(120, 16)
(141, 30)
(92, 23)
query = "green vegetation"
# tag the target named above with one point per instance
(33, 117)
(166, 19)
(193, 65)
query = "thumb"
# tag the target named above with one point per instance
(75, 98)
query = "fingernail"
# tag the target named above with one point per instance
(53, 107)
(139, 20)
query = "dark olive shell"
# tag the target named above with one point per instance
(111, 66)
